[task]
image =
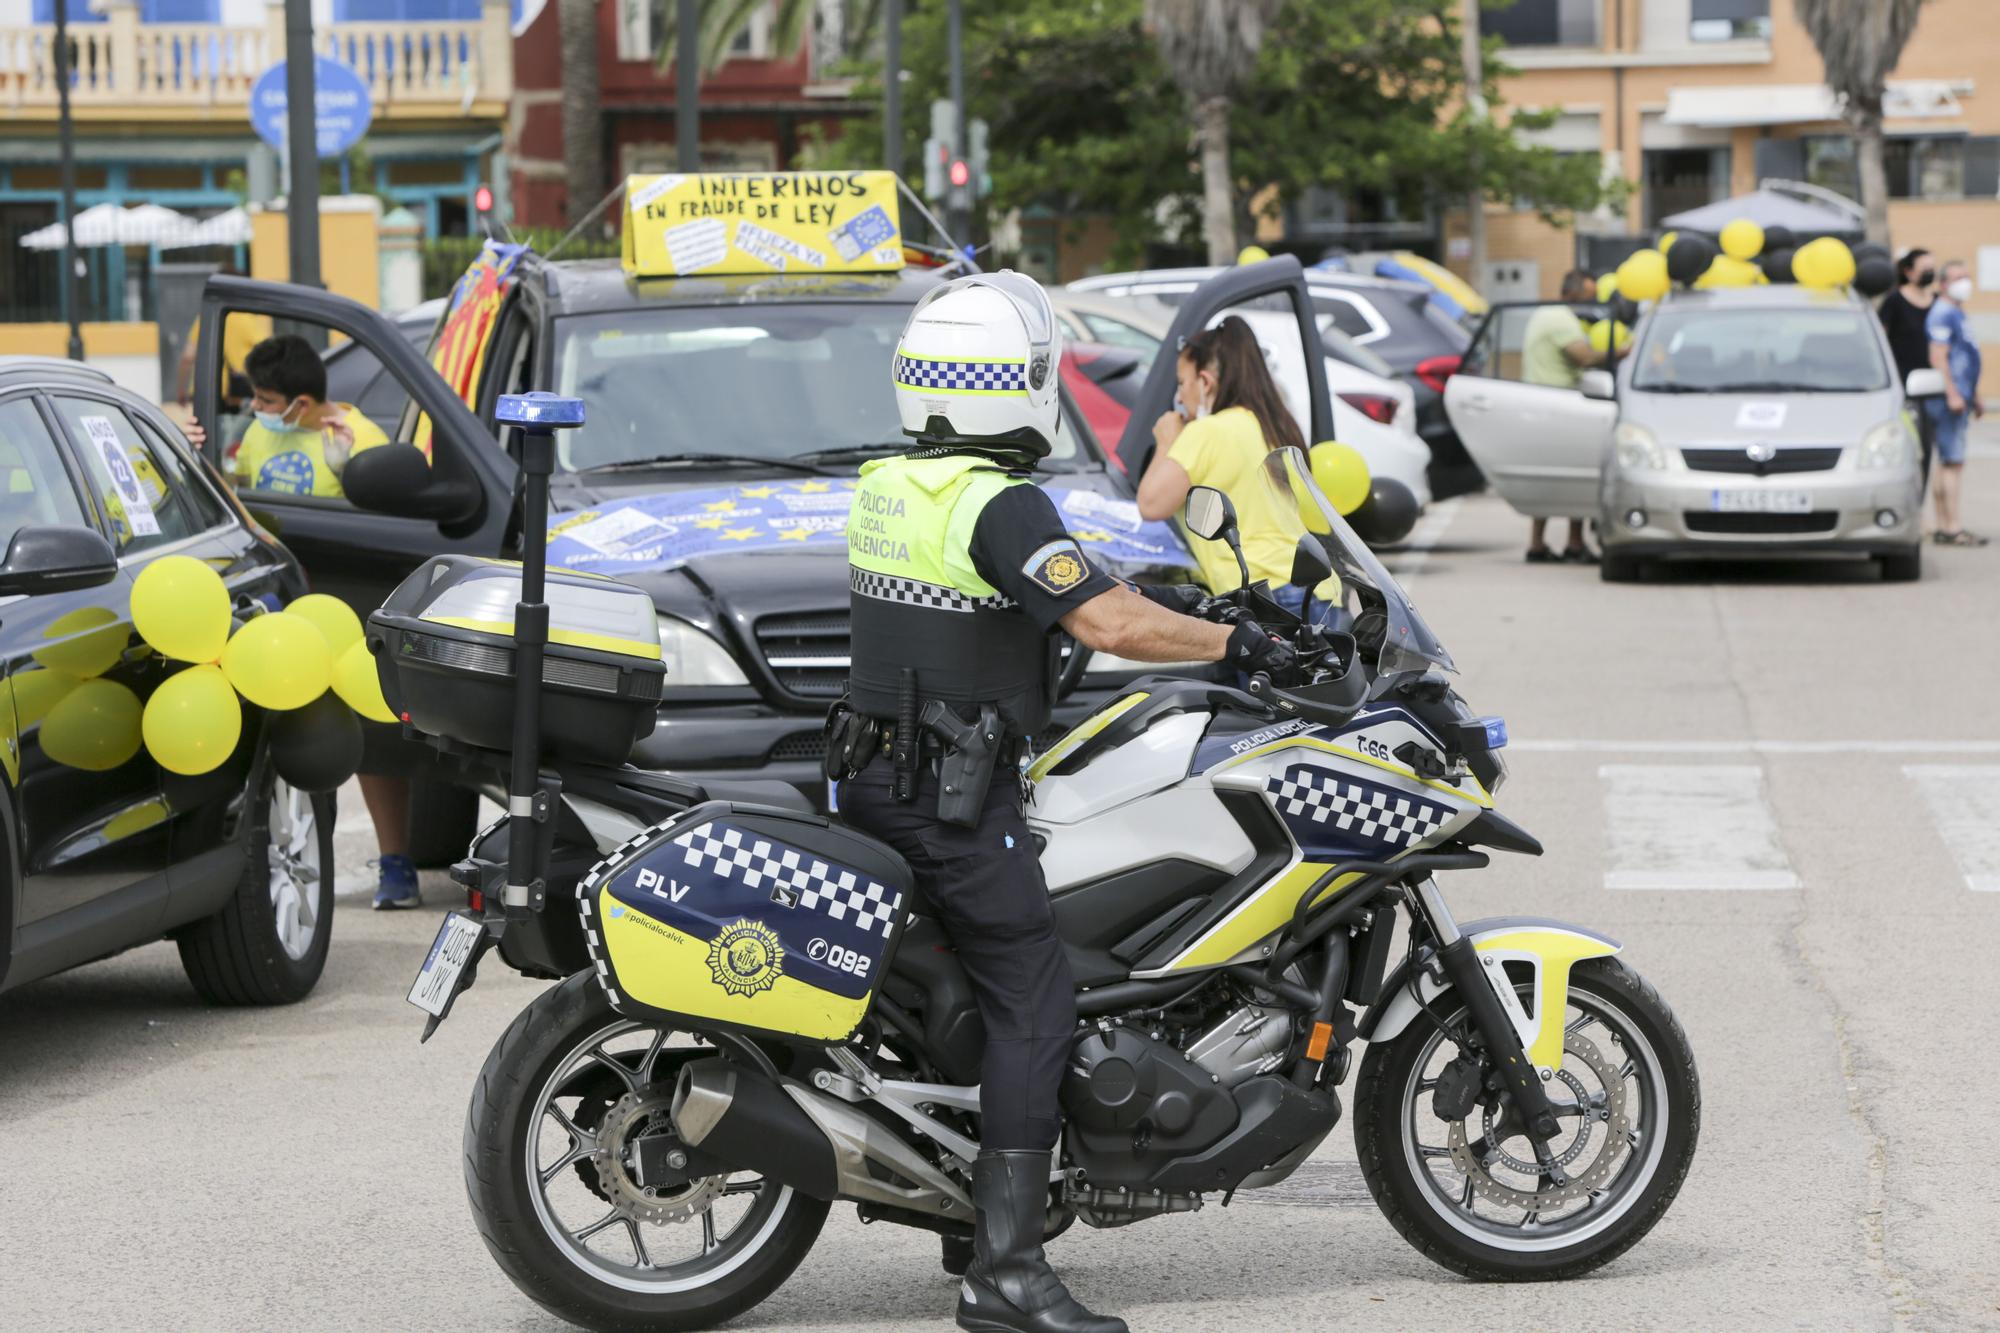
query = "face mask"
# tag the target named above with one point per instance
(276, 423)
(1926, 278)
(1959, 290)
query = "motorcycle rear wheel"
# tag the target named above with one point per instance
(1629, 1073)
(551, 1106)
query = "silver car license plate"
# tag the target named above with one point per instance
(1759, 502)
(437, 980)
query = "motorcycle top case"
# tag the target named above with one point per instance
(747, 918)
(444, 645)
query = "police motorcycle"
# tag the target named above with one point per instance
(766, 1021)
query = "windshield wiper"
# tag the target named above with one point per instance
(1673, 388)
(662, 462)
(857, 453)
(1767, 386)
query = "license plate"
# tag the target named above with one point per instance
(1759, 502)
(437, 980)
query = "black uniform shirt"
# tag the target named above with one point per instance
(1020, 546)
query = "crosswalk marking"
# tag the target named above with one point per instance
(1964, 801)
(1691, 826)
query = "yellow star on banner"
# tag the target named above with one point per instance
(813, 487)
(794, 534)
(720, 506)
(1091, 535)
(850, 485)
(711, 523)
(757, 492)
(739, 534)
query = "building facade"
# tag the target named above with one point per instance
(1692, 101)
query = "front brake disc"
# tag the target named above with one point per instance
(1580, 1184)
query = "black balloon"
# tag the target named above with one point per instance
(1690, 258)
(1625, 310)
(318, 747)
(1387, 515)
(1874, 275)
(1777, 264)
(1868, 248)
(1778, 238)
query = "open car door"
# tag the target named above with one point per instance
(1541, 446)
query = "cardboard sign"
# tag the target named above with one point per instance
(772, 222)
(125, 479)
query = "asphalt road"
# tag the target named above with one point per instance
(1821, 910)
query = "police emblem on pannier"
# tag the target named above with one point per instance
(746, 958)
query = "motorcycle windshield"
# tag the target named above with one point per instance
(1408, 646)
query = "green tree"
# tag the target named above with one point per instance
(723, 21)
(1859, 43)
(1210, 47)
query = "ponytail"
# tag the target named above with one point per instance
(1242, 379)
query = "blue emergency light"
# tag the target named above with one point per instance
(1496, 732)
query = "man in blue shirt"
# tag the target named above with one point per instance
(1955, 353)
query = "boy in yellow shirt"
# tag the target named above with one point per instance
(298, 443)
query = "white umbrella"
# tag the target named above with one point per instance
(150, 224)
(96, 225)
(230, 228)
(108, 224)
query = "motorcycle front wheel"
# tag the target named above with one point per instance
(582, 1218)
(1471, 1194)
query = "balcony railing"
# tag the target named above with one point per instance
(148, 69)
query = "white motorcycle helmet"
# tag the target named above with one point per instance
(976, 367)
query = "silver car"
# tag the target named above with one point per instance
(1739, 421)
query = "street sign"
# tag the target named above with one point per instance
(339, 97)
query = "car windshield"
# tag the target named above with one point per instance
(1761, 349)
(1408, 648)
(750, 382)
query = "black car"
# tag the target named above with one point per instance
(757, 397)
(105, 849)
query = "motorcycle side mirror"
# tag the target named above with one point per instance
(398, 479)
(1310, 567)
(1209, 515)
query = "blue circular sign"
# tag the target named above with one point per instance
(341, 102)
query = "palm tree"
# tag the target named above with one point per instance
(1210, 48)
(722, 21)
(582, 114)
(1860, 42)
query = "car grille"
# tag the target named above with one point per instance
(1746, 525)
(1813, 458)
(808, 654)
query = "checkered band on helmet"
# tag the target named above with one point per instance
(961, 376)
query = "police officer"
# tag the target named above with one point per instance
(961, 571)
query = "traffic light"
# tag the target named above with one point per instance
(939, 148)
(960, 173)
(482, 209)
(936, 154)
(975, 157)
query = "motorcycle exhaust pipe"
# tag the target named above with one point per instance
(814, 1143)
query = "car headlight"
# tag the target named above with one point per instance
(694, 658)
(1888, 445)
(1637, 449)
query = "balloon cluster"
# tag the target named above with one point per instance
(1747, 255)
(284, 662)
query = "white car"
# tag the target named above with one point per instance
(1372, 413)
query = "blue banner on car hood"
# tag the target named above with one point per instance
(670, 528)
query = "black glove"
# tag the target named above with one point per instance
(1252, 648)
(1182, 598)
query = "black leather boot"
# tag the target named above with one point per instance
(1010, 1287)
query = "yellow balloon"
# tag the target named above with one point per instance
(1252, 254)
(193, 721)
(36, 692)
(1667, 241)
(180, 607)
(91, 642)
(1826, 262)
(1607, 286)
(1605, 334)
(334, 619)
(1342, 474)
(359, 686)
(1643, 276)
(94, 728)
(1742, 239)
(278, 661)
(1726, 272)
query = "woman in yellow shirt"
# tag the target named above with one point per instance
(1227, 419)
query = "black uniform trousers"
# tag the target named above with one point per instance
(987, 888)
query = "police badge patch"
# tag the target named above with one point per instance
(746, 958)
(1058, 567)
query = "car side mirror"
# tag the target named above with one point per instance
(1208, 514)
(51, 559)
(1599, 384)
(398, 479)
(1310, 567)
(1924, 383)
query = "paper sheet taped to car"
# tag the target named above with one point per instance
(767, 222)
(746, 916)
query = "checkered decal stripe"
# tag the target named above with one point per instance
(980, 376)
(915, 592)
(838, 894)
(1376, 813)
